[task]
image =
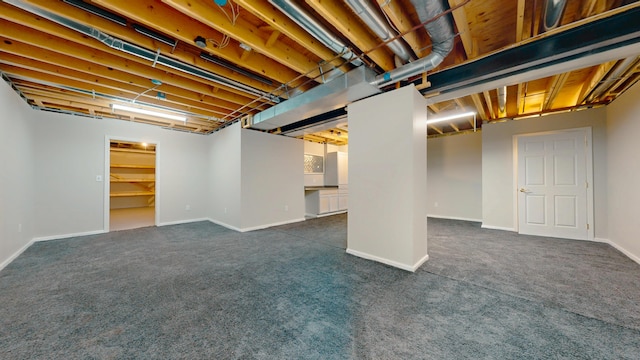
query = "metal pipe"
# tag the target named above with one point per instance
(441, 33)
(552, 13)
(613, 76)
(378, 25)
(502, 99)
(301, 17)
(139, 51)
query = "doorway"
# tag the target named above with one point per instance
(554, 184)
(131, 185)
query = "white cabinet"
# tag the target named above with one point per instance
(336, 169)
(325, 201)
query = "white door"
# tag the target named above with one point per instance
(552, 184)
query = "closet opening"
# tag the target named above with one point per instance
(132, 185)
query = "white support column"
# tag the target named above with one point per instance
(388, 179)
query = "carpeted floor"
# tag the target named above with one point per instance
(200, 291)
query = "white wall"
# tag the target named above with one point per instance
(623, 127)
(16, 175)
(454, 177)
(70, 153)
(498, 173)
(224, 180)
(272, 179)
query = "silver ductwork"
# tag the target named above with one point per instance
(502, 99)
(441, 33)
(154, 57)
(332, 95)
(378, 25)
(552, 14)
(301, 17)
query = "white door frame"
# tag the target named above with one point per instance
(589, 174)
(107, 176)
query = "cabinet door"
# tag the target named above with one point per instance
(333, 203)
(324, 205)
(343, 202)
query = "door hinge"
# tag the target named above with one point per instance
(587, 226)
(586, 184)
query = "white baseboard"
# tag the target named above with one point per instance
(66, 236)
(178, 222)
(453, 218)
(621, 249)
(326, 214)
(411, 268)
(258, 227)
(491, 227)
(15, 255)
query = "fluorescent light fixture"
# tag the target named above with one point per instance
(232, 67)
(148, 112)
(451, 117)
(154, 35)
(98, 11)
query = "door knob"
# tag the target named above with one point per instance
(523, 190)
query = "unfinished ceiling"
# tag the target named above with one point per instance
(216, 64)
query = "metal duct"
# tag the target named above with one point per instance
(139, 51)
(332, 95)
(552, 13)
(502, 99)
(441, 33)
(375, 22)
(613, 76)
(301, 17)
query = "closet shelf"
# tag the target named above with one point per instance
(132, 193)
(128, 166)
(123, 180)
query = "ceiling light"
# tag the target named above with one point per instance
(245, 47)
(200, 41)
(451, 117)
(98, 11)
(154, 35)
(148, 112)
(235, 68)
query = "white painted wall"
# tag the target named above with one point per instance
(272, 179)
(498, 173)
(17, 171)
(224, 181)
(70, 153)
(387, 179)
(454, 177)
(623, 127)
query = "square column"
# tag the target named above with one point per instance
(388, 178)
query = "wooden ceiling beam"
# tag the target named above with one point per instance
(596, 77)
(460, 18)
(553, 90)
(91, 79)
(92, 68)
(418, 39)
(477, 102)
(487, 100)
(186, 29)
(281, 23)
(346, 23)
(111, 58)
(246, 33)
(38, 76)
(436, 129)
(150, 9)
(520, 20)
(57, 38)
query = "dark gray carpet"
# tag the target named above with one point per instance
(199, 291)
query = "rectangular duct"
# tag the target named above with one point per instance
(335, 94)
